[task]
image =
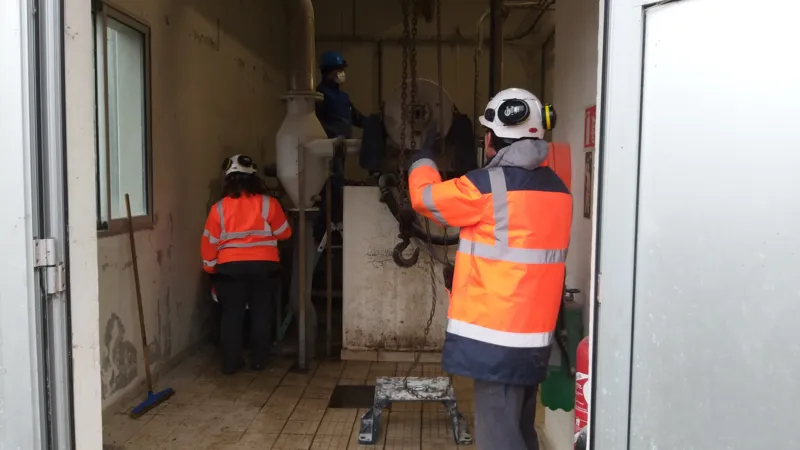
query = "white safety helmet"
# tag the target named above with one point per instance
(516, 114)
(239, 164)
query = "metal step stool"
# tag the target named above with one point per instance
(390, 390)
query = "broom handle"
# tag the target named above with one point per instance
(145, 349)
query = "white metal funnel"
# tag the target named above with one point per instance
(299, 127)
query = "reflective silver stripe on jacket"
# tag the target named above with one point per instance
(497, 337)
(249, 244)
(212, 239)
(427, 191)
(498, 252)
(427, 200)
(426, 162)
(501, 250)
(282, 228)
(227, 236)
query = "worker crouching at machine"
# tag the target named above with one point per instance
(515, 216)
(239, 248)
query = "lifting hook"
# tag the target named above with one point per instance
(397, 254)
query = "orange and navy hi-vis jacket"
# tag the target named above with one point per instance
(246, 228)
(515, 216)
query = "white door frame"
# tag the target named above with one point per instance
(620, 80)
(78, 88)
(37, 349)
(22, 420)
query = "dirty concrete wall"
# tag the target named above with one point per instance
(386, 307)
(217, 75)
(576, 55)
(340, 23)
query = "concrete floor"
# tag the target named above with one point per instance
(278, 409)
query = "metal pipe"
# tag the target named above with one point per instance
(301, 259)
(380, 75)
(476, 62)
(353, 18)
(320, 293)
(521, 4)
(302, 53)
(328, 270)
(496, 47)
(278, 314)
(536, 21)
(439, 75)
(543, 68)
(323, 148)
(107, 137)
(508, 5)
(454, 39)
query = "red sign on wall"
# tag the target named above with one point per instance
(589, 120)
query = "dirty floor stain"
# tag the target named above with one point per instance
(278, 409)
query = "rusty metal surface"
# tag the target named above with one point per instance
(392, 389)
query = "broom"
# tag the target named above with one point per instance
(153, 399)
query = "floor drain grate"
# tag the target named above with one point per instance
(345, 396)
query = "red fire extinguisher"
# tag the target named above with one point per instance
(582, 393)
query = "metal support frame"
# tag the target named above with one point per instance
(328, 271)
(304, 260)
(53, 221)
(390, 390)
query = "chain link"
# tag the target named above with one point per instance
(404, 87)
(413, 48)
(410, 44)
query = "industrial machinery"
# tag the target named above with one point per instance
(303, 154)
(389, 135)
(393, 302)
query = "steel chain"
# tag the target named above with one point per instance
(404, 89)
(431, 260)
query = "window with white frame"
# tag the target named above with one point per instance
(122, 125)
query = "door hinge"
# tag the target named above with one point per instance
(53, 271)
(597, 287)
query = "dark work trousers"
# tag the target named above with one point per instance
(240, 285)
(504, 416)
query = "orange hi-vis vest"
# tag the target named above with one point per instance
(246, 228)
(515, 216)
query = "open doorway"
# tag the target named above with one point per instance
(181, 85)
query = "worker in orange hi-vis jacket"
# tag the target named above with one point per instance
(515, 216)
(240, 248)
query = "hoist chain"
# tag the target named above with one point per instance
(406, 225)
(413, 49)
(410, 45)
(404, 97)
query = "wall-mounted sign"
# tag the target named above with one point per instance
(588, 182)
(589, 122)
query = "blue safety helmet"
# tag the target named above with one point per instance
(331, 60)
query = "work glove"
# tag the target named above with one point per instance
(447, 274)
